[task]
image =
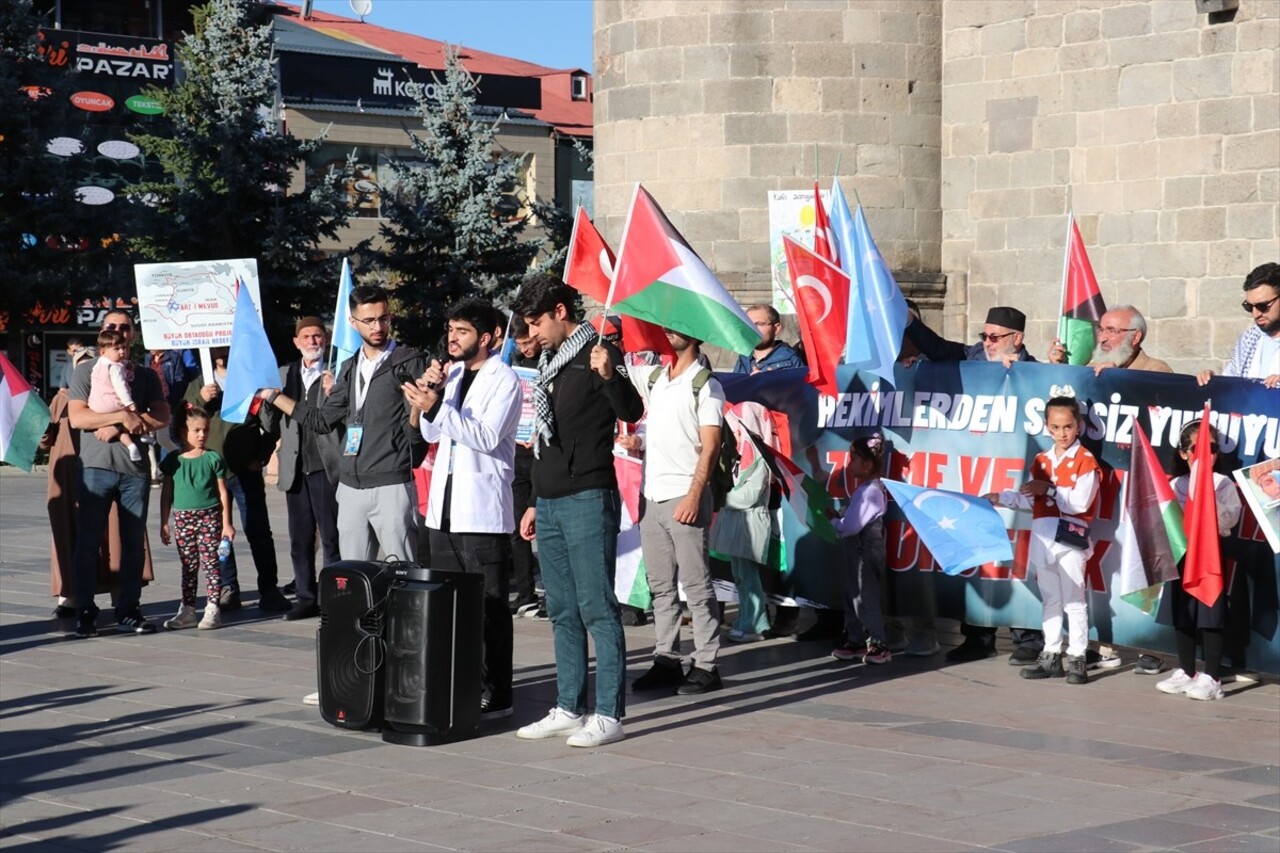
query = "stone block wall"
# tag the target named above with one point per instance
(1159, 126)
(712, 103)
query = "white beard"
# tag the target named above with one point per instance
(1119, 355)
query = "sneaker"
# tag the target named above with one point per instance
(522, 606)
(229, 599)
(185, 618)
(273, 601)
(539, 615)
(133, 623)
(597, 731)
(1048, 665)
(212, 617)
(311, 698)
(1178, 682)
(135, 453)
(494, 709)
(877, 653)
(1023, 656)
(1204, 687)
(290, 588)
(633, 616)
(557, 723)
(967, 651)
(86, 623)
(849, 650)
(898, 646)
(302, 610)
(736, 635)
(700, 681)
(923, 648)
(665, 672)
(1101, 659)
(1148, 665)
(64, 611)
(1077, 670)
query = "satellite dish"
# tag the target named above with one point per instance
(361, 7)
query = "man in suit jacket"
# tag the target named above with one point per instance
(308, 463)
(469, 507)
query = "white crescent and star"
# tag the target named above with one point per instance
(606, 266)
(946, 522)
(822, 290)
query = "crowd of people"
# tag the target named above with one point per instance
(349, 442)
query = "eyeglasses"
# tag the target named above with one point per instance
(1111, 332)
(370, 322)
(1260, 307)
(985, 338)
(114, 327)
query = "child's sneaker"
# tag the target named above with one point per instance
(135, 453)
(1077, 670)
(1177, 683)
(877, 653)
(212, 617)
(848, 650)
(185, 618)
(1205, 687)
(1048, 665)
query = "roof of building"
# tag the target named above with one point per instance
(559, 109)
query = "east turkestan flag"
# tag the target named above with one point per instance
(1152, 541)
(961, 531)
(1082, 305)
(659, 278)
(23, 417)
(251, 363)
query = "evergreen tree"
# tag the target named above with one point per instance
(453, 223)
(52, 247)
(229, 168)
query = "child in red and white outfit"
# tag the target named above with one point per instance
(1059, 495)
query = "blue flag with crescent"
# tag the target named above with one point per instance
(251, 363)
(961, 531)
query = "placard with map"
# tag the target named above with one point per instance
(190, 305)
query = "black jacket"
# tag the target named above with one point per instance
(587, 408)
(390, 447)
(936, 348)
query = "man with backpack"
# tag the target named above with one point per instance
(682, 475)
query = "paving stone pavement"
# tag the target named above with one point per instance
(196, 740)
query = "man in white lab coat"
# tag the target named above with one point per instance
(471, 406)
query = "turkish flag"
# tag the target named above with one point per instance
(824, 243)
(1202, 570)
(821, 292)
(588, 269)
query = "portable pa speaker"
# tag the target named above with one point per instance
(434, 654)
(349, 648)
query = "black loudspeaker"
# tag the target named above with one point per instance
(349, 649)
(434, 655)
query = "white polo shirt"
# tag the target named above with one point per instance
(672, 443)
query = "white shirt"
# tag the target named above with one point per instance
(311, 374)
(367, 367)
(672, 441)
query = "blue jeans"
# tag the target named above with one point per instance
(577, 548)
(249, 492)
(99, 488)
(753, 607)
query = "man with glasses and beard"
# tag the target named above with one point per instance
(1121, 332)
(1257, 352)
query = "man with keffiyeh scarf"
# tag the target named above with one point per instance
(581, 392)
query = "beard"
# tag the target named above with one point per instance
(312, 353)
(1119, 356)
(467, 353)
(1270, 327)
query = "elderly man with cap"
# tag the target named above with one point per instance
(1000, 340)
(1121, 332)
(308, 466)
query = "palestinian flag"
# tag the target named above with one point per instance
(23, 417)
(1152, 542)
(808, 500)
(630, 583)
(660, 279)
(1082, 305)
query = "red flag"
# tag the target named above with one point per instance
(824, 243)
(588, 269)
(1202, 572)
(821, 292)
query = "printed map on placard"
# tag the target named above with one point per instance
(191, 304)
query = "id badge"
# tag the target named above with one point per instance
(355, 434)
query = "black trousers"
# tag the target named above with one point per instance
(488, 554)
(522, 560)
(312, 507)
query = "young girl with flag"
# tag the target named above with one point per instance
(1189, 614)
(861, 529)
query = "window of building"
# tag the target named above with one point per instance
(579, 83)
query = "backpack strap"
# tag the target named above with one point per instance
(655, 376)
(700, 380)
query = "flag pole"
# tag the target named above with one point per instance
(622, 247)
(1062, 302)
(333, 338)
(573, 236)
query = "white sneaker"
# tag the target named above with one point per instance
(557, 723)
(135, 455)
(212, 617)
(1176, 684)
(919, 648)
(311, 698)
(1204, 686)
(737, 635)
(598, 731)
(185, 618)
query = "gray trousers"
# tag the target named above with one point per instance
(670, 547)
(382, 516)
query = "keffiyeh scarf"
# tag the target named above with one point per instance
(549, 366)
